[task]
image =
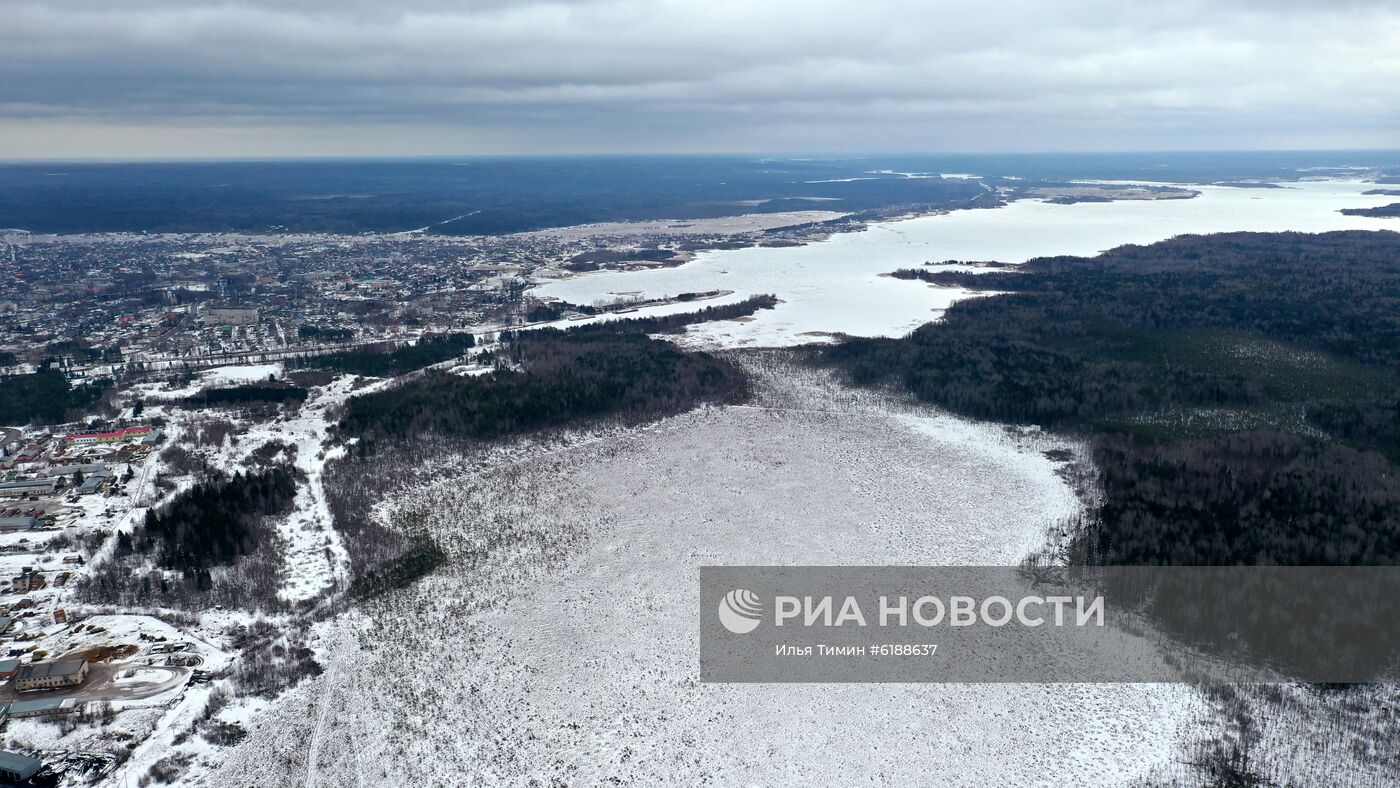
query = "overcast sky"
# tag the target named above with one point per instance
(145, 78)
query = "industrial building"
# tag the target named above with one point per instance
(16, 768)
(50, 675)
(18, 523)
(114, 436)
(23, 487)
(44, 707)
(95, 482)
(69, 470)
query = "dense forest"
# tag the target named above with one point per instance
(325, 333)
(251, 394)
(556, 377)
(212, 523)
(1239, 392)
(389, 362)
(45, 397)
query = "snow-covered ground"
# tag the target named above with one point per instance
(559, 644)
(247, 373)
(835, 285)
(314, 556)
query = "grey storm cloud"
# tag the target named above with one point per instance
(692, 75)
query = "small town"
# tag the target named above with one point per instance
(124, 305)
(62, 496)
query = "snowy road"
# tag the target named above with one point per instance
(111, 681)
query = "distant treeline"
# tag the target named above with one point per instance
(674, 324)
(1382, 211)
(561, 377)
(1231, 387)
(45, 397)
(392, 361)
(921, 274)
(212, 523)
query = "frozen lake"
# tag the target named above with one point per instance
(835, 285)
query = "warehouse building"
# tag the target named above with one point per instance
(23, 487)
(51, 675)
(16, 768)
(44, 707)
(69, 470)
(18, 523)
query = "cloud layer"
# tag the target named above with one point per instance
(253, 77)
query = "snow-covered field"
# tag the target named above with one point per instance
(314, 557)
(834, 286)
(559, 645)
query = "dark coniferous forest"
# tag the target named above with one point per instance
(388, 362)
(554, 378)
(45, 397)
(212, 523)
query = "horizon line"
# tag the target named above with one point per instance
(790, 155)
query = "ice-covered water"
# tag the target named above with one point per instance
(834, 286)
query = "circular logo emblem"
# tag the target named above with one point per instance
(740, 611)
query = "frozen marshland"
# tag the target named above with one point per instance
(560, 644)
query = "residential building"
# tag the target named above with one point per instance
(26, 581)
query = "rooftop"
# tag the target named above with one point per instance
(43, 669)
(22, 765)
